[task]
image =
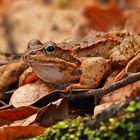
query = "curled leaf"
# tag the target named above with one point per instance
(47, 115)
(31, 93)
(20, 132)
(11, 115)
(9, 74)
(120, 94)
(104, 18)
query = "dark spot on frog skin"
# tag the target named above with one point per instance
(76, 72)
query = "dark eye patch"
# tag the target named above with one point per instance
(50, 48)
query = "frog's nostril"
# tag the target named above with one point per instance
(33, 43)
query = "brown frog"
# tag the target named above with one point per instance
(86, 61)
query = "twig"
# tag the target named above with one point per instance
(97, 94)
(6, 107)
(2, 103)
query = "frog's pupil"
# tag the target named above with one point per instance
(50, 48)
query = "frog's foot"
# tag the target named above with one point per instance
(93, 70)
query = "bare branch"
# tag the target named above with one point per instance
(97, 94)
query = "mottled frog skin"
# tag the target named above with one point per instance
(86, 61)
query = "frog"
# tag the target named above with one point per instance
(82, 63)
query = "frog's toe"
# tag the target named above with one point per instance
(74, 86)
(77, 86)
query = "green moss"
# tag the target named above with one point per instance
(125, 126)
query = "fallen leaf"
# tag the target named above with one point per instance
(119, 96)
(132, 3)
(47, 115)
(104, 18)
(20, 132)
(110, 79)
(25, 122)
(4, 6)
(100, 108)
(54, 112)
(9, 74)
(124, 92)
(132, 21)
(134, 65)
(11, 115)
(31, 93)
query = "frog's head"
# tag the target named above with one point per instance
(51, 63)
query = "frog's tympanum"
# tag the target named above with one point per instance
(86, 61)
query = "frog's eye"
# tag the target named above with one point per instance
(50, 48)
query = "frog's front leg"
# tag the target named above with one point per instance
(93, 69)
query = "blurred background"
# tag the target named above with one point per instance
(62, 20)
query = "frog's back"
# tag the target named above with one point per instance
(98, 44)
(95, 44)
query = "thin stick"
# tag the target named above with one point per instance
(2, 103)
(6, 107)
(97, 94)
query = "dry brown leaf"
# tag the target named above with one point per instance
(99, 108)
(133, 66)
(31, 93)
(4, 5)
(25, 122)
(120, 94)
(132, 3)
(104, 18)
(53, 113)
(111, 78)
(47, 115)
(9, 74)
(20, 132)
(132, 21)
(128, 91)
(11, 115)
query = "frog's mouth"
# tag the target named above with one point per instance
(49, 62)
